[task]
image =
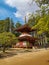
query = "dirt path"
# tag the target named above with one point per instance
(30, 58)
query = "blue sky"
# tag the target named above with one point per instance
(16, 9)
(7, 11)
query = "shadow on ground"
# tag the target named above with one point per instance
(7, 54)
(12, 52)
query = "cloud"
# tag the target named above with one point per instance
(17, 14)
(24, 7)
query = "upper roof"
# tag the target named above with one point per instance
(24, 28)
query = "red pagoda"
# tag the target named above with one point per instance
(26, 40)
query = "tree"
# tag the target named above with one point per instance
(43, 25)
(31, 20)
(18, 24)
(11, 26)
(44, 5)
(43, 21)
(42, 2)
(5, 25)
(7, 38)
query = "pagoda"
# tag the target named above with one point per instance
(26, 40)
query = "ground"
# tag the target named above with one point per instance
(34, 57)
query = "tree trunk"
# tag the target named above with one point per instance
(45, 39)
(4, 48)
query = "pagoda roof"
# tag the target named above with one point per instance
(27, 38)
(24, 28)
(22, 35)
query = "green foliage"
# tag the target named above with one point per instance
(5, 25)
(7, 38)
(42, 2)
(43, 5)
(31, 20)
(41, 17)
(42, 25)
(18, 24)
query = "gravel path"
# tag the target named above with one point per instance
(40, 57)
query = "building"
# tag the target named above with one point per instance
(26, 40)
